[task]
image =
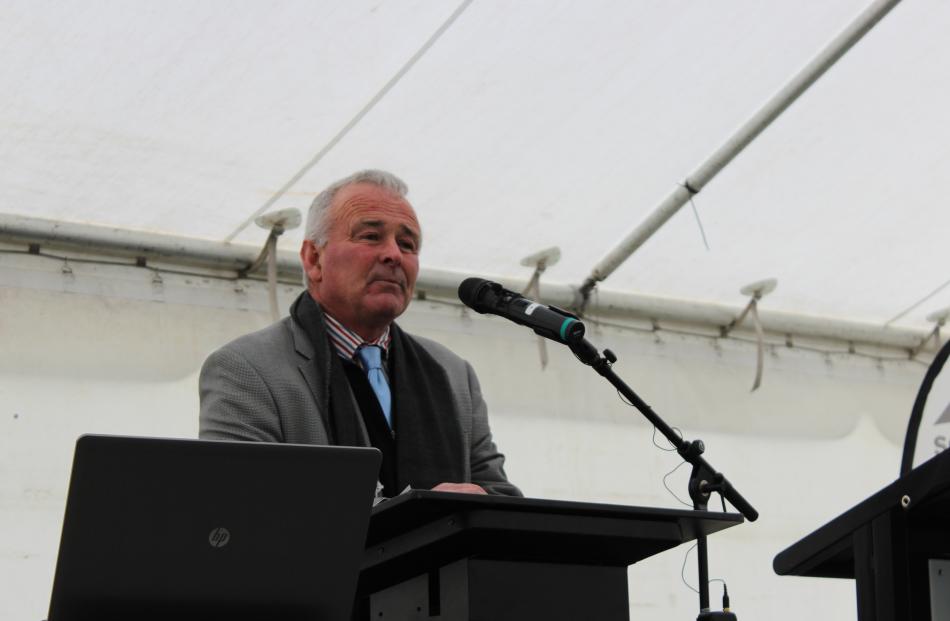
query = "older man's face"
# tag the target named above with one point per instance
(365, 274)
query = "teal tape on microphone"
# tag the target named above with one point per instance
(564, 326)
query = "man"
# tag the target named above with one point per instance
(338, 370)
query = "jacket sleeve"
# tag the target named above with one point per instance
(236, 403)
(487, 463)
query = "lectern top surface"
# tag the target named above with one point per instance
(418, 507)
(419, 530)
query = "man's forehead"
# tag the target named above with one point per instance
(372, 205)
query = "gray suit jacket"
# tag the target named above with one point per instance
(273, 386)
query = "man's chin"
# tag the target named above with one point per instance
(386, 307)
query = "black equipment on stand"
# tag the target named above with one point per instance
(896, 543)
(485, 296)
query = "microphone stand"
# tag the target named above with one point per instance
(703, 480)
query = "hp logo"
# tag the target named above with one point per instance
(219, 537)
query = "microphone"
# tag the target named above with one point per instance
(484, 296)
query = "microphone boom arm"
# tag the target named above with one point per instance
(711, 481)
(703, 480)
(484, 296)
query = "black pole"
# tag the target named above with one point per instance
(917, 413)
(703, 560)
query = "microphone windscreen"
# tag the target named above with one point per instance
(470, 291)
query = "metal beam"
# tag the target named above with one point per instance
(698, 179)
(199, 253)
(131, 244)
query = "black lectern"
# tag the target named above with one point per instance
(461, 557)
(895, 544)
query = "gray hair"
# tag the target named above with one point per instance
(318, 221)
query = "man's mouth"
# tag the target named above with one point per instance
(390, 281)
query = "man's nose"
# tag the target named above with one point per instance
(390, 251)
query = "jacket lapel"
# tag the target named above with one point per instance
(315, 368)
(323, 372)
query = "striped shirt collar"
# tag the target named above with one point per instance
(346, 342)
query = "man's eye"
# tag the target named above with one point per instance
(369, 236)
(409, 245)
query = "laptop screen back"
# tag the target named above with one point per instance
(191, 529)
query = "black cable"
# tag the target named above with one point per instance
(134, 264)
(672, 493)
(672, 448)
(725, 589)
(680, 332)
(683, 568)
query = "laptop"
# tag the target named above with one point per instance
(191, 529)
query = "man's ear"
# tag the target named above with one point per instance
(310, 259)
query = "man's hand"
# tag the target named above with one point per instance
(460, 488)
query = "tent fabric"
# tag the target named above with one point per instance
(525, 125)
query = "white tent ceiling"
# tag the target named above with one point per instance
(524, 125)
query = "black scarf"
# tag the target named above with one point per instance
(429, 437)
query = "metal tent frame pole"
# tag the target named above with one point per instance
(698, 179)
(153, 249)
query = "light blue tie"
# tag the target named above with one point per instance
(371, 357)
